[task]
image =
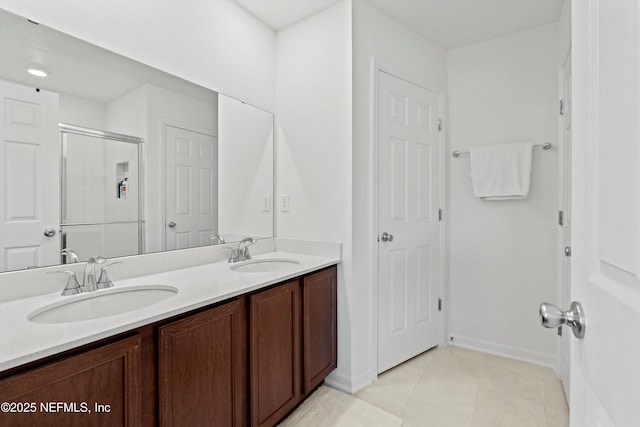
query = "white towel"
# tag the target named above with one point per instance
(502, 171)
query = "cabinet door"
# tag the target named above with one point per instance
(319, 327)
(202, 364)
(275, 353)
(100, 387)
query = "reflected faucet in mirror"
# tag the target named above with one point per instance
(217, 239)
(69, 254)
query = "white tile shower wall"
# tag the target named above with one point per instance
(503, 253)
(225, 48)
(376, 36)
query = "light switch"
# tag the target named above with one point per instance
(266, 203)
(284, 203)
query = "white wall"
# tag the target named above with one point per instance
(503, 253)
(144, 113)
(245, 170)
(375, 36)
(81, 112)
(313, 144)
(216, 44)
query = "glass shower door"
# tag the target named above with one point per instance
(101, 193)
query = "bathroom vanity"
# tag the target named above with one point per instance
(245, 354)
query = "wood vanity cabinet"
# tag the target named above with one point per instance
(293, 335)
(246, 361)
(202, 368)
(100, 387)
(319, 327)
(274, 353)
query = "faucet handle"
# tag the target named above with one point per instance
(234, 254)
(104, 281)
(73, 287)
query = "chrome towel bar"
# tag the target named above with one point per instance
(545, 146)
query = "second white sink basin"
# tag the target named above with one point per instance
(103, 303)
(264, 265)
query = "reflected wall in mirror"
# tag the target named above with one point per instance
(205, 165)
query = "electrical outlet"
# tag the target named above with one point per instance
(284, 203)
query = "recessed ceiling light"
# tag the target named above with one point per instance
(37, 72)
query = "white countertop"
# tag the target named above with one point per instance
(23, 341)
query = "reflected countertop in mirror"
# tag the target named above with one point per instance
(205, 162)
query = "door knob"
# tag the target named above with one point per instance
(49, 232)
(567, 251)
(386, 237)
(172, 224)
(552, 317)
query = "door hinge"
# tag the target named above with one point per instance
(439, 125)
(560, 218)
(562, 107)
(439, 304)
(439, 214)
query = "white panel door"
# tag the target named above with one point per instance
(29, 178)
(605, 274)
(191, 194)
(408, 204)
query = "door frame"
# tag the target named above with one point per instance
(163, 167)
(376, 68)
(564, 161)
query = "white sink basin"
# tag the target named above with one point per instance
(264, 265)
(102, 303)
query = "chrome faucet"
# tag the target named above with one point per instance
(218, 239)
(104, 281)
(89, 278)
(241, 253)
(68, 253)
(73, 287)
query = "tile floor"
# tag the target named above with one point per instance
(456, 387)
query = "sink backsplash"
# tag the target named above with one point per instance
(28, 283)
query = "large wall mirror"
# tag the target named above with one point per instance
(107, 156)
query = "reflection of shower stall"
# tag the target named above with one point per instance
(101, 193)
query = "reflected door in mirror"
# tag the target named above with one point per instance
(29, 183)
(191, 188)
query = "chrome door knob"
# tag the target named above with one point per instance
(386, 237)
(49, 232)
(172, 224)
(552, 317)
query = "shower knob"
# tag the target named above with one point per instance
(552, 317)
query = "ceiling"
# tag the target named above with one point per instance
(76, 67)
(447, 23)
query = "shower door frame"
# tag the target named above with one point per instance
(65, 128)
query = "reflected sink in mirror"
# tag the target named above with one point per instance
(104, 303)
(264, 265)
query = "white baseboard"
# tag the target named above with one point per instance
(548, 360)
(349, 384)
